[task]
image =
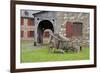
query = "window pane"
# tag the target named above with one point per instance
(22, 33)
(30, 33)
(30, 22)
(22, 21)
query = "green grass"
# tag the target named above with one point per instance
(41, 54)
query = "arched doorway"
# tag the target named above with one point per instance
(42, 26)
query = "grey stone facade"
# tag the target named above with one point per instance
(58, 21)
(55, 21)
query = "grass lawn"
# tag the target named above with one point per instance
(29, 53)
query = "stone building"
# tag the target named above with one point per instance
(69, 24)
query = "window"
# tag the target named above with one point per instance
(73, 29)
(77, 28)
(22, 33)
(30, 33)
(22, 21)
(30, 22)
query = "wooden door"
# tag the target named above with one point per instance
(73, 29)
(69, 29)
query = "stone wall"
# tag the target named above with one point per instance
(63, 17)
(59, 20)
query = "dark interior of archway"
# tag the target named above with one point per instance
(43, 25)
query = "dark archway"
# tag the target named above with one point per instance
(43, 25)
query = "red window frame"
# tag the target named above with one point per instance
(22, 33)
(30, 33)
(30, 22)
(22, 21)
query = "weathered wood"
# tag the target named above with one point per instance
(68, 45)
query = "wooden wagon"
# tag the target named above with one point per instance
(59, 43)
